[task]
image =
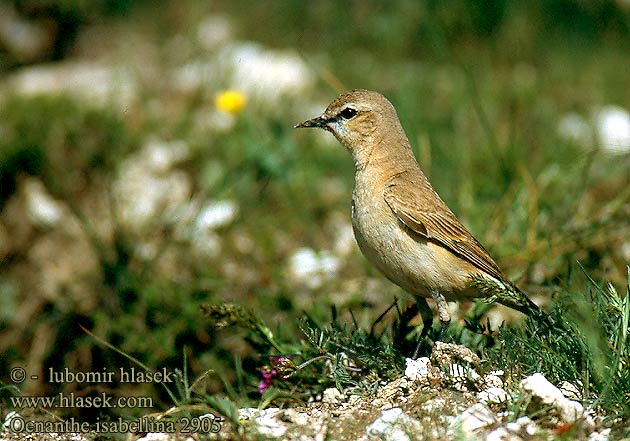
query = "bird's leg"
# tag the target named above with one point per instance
(445, 316)
(427, 322)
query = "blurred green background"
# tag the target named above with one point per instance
(129, 195)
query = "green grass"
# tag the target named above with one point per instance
(587, 346)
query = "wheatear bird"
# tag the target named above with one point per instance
(400, 223)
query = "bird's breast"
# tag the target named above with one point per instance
(417, 265)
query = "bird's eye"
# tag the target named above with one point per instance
(348, 113)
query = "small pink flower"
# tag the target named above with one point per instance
(262, 386)
(268, 372)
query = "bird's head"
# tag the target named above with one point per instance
(355, 117)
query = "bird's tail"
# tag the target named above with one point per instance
(518, 300)
(508, 294)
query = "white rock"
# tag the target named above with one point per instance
(550, 395)
(295, 417)
(461, 376)
(513, 427)
(149, 190)
(492, 380)
(332, 396)
(462, 372)
(354, 400)
(570, 390)
(492, 395)
(99, 83)
(530, 428)
(248, 413)
(609, 126)
(528, 424)
(522, 424)
(602, 435)
(393, 425)
(12, 421)
(417, 369)
(143, 196)
(269, 426)
(501, 434)
(304, 265)
(475, 417)
(328, 263)
(260, 417)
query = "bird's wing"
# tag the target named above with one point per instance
(431, 218)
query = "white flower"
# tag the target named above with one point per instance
(194, 75)
(40, 206)
(303, 263)
(311, 269)
(613, 129)
(609, 127)
(575, 128)
(216, 215)
(267, 74)
(345, 242)
(328, 263)
(160, 155)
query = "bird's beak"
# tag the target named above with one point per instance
(320, 122)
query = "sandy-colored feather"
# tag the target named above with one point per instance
(422, 215)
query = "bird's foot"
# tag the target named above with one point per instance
(443, 329)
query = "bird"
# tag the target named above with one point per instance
(401, 224)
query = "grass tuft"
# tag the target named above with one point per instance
(588, 347)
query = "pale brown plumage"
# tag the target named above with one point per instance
(401, 224)
(433, 219)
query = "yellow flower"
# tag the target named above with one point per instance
(230, 101)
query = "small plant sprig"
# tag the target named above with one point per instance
(229, 314)
(336, 355)
(352, 354)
